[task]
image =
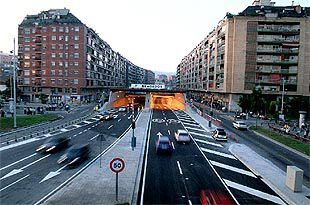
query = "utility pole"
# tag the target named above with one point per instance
(282, 102)
(14, 86)
(133, 138)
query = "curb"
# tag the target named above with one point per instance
(280, 144)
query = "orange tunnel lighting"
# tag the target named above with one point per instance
(173, 101)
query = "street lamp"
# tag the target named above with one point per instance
(14, 87)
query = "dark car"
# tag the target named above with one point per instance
(75, 155)
(208, 197)
(163, 145)
(54, 145)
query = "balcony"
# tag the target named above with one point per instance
(278, 29)
(38, 41)
(278, 50)
(277, 40)
(274, 61)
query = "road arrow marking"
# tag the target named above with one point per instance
(18, 161)
(52, 174)
(159, 134)
(16, 171)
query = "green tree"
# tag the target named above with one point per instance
(272, 107)
(257, 101)
(43, 98)
(245, 102)
(7, 92)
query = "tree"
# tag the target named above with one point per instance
(43, 98)
(272, 107)
(257, 101)
(245, 102)
(7, 92)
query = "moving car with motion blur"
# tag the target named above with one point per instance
(182, 136)
(53, 145)
(211, 197)
(105, 115)
(163, 145)
(122, 109)
(240, 125)
(219, 134)
(75, 155)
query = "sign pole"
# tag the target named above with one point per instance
(116, 187)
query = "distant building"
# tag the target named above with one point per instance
(63, 58)
(260, 47)
(149, 77)
(6, 65)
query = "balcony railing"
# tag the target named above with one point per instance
(278, 50)
(277, 61)
(275, 28)
(277, 39)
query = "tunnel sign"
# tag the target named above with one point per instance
(117, 165)
(148, 86)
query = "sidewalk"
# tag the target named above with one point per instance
(96, 185)
(272, 175)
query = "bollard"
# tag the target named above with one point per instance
(294, 178)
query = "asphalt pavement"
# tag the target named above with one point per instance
(204, 164)
(27, 176)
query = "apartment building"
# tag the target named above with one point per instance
(263, 46)
(6, 69)
(61, 57)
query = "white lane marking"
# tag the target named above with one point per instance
(18, 161)
(119, 120)
(94, 118)
(190, 202)
(93, 126)
(89, 128)
(85, 130)
(172, 145)
(169, 132)
(47, 135)
(115, 116)
(77, 126)
(193, 128)
(80, 133)
(218, 153)
(14, 182)
(201, 135)
(209, 143)
(110, 127)
(129, 117)
(52, 174)
(18, 144)
(125, 114)
(93, 137)
(167, 124)
(186, 118)
(87, 122)
(231, 168)
(191, 124)
(16, 171)
(64, 130)
(254, 192)
(75, 135)
(180, 169)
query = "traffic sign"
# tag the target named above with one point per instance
(117, 165)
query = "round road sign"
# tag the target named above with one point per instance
(117, 164)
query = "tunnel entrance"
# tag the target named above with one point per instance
(138, 100)
(164, 101)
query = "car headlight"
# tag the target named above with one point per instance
(40, 148)
(75, 160)
(62, 159)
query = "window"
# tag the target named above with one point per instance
(53, 38)
(27, 56)
(53, 46)
(76, 46)
(53, 55)
(52, 72)
(27, 48)
(76, 72)
(61, 38)
(76, 38)
(53, 63)
(66, 47)
(66, 38)
(27, 64)
(27, 40)
(66, 55)
(67, 29)
(60, 64)
(61, 46)
(44, 29)
(44, 38)
(60, 72)
(60, 83)
(27, 30)
(61, 29)
(76, 55)
(74, 90)
(66, 72)
(76, 63)
(76, 81)
(33, 30)
(26, 73)
(43, 81)
(26, 81)
(66, 64)
(43, 72)
(60, 55)
(53, 81)
(77, 28)
(53, 29)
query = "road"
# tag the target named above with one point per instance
(278, 155)
(204, 164)
(25, 174)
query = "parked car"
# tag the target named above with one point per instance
(163, 145)
(182, 136)
(122, 109)
(105, 115)
(53, 145)
(240, 125)
(210, 197)
(75, 155)
(220, 134)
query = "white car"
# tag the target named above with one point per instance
(182, 136)
(220, 134)
(240, 125)
(122, 109)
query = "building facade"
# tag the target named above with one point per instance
(264, 46)
(6, 69)
(62, 58)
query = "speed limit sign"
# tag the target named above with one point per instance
(117, 165)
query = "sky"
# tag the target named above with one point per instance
(153, 34)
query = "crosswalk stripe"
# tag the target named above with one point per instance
(191, 124)
(218, 153)
(201, 135)
(64, 130)
(185, 118)
(254, 192)
(87, 122)
(231, 168)
(77, 126)
(209, 143)
(193, 128)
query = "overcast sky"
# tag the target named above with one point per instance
(154, 34)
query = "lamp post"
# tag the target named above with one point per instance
(14, 87)
(282, 100)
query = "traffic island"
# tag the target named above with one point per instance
(97, 183)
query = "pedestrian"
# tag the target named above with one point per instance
(2, 113)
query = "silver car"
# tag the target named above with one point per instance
(182, 136)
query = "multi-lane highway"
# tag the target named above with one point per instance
(204, 164)
(27, 176)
